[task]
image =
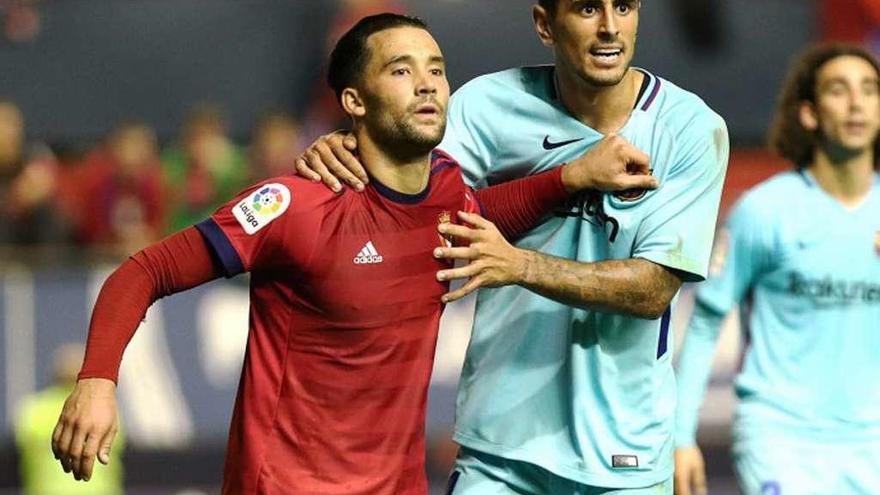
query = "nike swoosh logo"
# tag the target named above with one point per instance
(552, 146)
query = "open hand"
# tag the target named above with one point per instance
(492, 261)
(331, 159)
(690, 471)
(86, 427)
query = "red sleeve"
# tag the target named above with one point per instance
(246, 232)
(178, 263)
(516, 206)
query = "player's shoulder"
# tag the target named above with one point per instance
(298, 187)
(441, 161)
(681, 110)
(285, 193)
(508, 84)
(445, 168)
(777, 188)
(276, 199)
(774, 195)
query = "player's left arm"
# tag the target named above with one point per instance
(631, 286)
(671, 246)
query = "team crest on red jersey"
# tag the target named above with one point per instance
(445, 239)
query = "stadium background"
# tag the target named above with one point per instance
(91, 64)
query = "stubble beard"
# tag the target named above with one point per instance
(398, 135)
(603, 79)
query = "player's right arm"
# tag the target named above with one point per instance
(88, 422)
(244, 234)
(739, 255)
(612, 165)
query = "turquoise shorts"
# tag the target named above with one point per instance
(478, 473)
(799, 467)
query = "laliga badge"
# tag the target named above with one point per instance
(266, 204)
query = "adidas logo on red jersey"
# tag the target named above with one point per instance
(368, 255)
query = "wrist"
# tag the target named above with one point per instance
(572, 181)
(525, 269)
(97, 386)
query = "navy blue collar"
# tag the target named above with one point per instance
(807, 176)
(400, 197)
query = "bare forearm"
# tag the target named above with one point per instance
(633, 286)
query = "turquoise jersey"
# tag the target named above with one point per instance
(806, 271)
(589, 396)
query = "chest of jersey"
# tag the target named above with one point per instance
(372, 261)
(591, 225)
(828, 257)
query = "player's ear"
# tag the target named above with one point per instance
(542, 25)
(352, 102)
(807, 116)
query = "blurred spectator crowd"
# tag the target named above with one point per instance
(127, 190)
(130, 189)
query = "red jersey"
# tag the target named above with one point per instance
(345, 309)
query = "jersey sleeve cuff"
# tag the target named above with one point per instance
(222, 249)
(87, 374)
(684, 441)
(693, 271)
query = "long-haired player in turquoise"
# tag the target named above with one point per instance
(801, 256)
(567, 386)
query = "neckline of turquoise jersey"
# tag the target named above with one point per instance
(643, 100)
(813, 184)
(647, 94)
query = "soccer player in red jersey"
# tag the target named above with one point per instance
(345, 305)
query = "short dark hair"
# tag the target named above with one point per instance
(349, 56)
(787, 136)
(549, 6)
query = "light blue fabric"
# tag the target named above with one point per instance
(563, 388)
(478, 473)
(800, 466)
(806, 273)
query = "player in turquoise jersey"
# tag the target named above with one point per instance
(568, 384)
(802, 258)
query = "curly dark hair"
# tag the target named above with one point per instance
(787, 136)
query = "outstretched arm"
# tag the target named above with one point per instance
(632, 286)
(636, 287)
(88, 422)
(613, 164)
(670, 242)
